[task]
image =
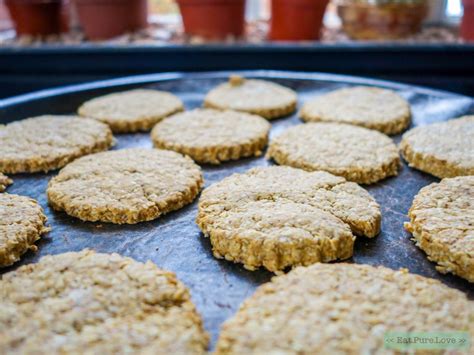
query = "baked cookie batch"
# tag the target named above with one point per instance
(303, 214)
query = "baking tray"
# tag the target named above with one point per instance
(174, 242)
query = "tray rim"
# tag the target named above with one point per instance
(239, 46)
(276, 74)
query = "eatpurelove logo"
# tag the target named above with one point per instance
(405, 341)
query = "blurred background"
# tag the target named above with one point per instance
(46, 43)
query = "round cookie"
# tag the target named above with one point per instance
(212, 136)
(88, 303)
(4, 182)
(342, 309)
(442, 149)
(374, 108)
(22, 222)
(441, 221)
(125, 186)
(280, 217)
(44, 143)
(132, 111)
(260, 97)
(358, 154)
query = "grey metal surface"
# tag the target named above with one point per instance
(175, 243)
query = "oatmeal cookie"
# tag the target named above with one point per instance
(132, 111)
(374, 108)
(88, 303)
(441, 221)
(259, 97)
(212, 136)
(442, 149)
(342, 309)
(358, 154)
(280, 217)
(125, 186)
(45, 143)
(22, 223)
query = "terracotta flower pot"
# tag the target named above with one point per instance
(65, 18)
(213, 19)
(103, 19)
(5, 22)
(35, 17)
(297, 20)
(467, 24)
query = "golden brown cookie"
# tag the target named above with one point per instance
(125, 186)
(442, 224)
(22, 223)
(49, 142)
(4, 182)
(212, 136)
(88, 303)
(374, 108)
(342, 309)
(132, 111)
(358, 154)
(260, 97)
(279, 217)
(442, 149)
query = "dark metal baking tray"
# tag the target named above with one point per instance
(174, 242)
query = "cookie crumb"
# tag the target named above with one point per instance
(236, 80)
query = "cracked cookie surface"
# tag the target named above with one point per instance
(358, 154)
(342, 309)
(374, 108)
(280, 217)
(90, 303)
(44, 143)
(212, 136)
(441, 221)
(132, 111)
(260, 97)
(22, 223)
(443, 149)
(4, 182)
(125, 186)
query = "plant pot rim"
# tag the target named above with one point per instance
(302, 2)
(32, 1)
(99, 2)
(371, 6)
(202, 2)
